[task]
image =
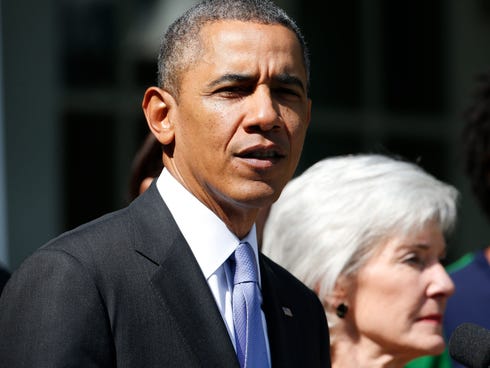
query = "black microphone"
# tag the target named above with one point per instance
(469, 344)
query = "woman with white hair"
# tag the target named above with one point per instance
(367, 234)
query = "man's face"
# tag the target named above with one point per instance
(241, 116)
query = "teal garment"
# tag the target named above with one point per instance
(461, 263)
(437, 361)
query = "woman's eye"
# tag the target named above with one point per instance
(415, 260)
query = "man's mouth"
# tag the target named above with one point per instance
(261, 155)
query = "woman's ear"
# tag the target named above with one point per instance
(156, 104)
(339, 294)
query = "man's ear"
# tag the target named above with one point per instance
(156, 103)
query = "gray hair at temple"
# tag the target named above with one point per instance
(181, 44)
(329, 220)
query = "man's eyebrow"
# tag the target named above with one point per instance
(231, 78)
(290, 79)
(283, 78)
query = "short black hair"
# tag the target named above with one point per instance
(180, 44)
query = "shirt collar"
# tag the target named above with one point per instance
(207, 235)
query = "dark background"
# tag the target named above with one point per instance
(387, 76)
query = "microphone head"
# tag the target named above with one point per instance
(469, 344)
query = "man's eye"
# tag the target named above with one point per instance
(287, 91)
(233, 91)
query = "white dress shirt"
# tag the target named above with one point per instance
(210, 241)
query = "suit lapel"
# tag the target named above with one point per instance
(179, 283)
(278, 316)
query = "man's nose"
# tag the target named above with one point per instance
(263, 113)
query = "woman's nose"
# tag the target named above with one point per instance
(441, 283)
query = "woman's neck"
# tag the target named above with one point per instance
(347, 354)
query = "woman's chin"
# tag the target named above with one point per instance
(434, 345)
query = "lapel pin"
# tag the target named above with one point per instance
(287, 311)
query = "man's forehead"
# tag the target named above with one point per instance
(235, 39)
(239, 25)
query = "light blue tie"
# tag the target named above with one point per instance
(247, 317)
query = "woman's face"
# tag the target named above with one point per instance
(400, 294)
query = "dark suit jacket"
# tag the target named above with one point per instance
(125, 290)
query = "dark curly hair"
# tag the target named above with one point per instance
(476, 142)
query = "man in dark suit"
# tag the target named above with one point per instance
(151, 285)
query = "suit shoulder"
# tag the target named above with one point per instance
(108, 226)
(95, 239)
(91, 254)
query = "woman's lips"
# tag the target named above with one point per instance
(437, 318)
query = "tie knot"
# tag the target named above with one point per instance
(245, 264)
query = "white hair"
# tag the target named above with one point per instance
(328, 221)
